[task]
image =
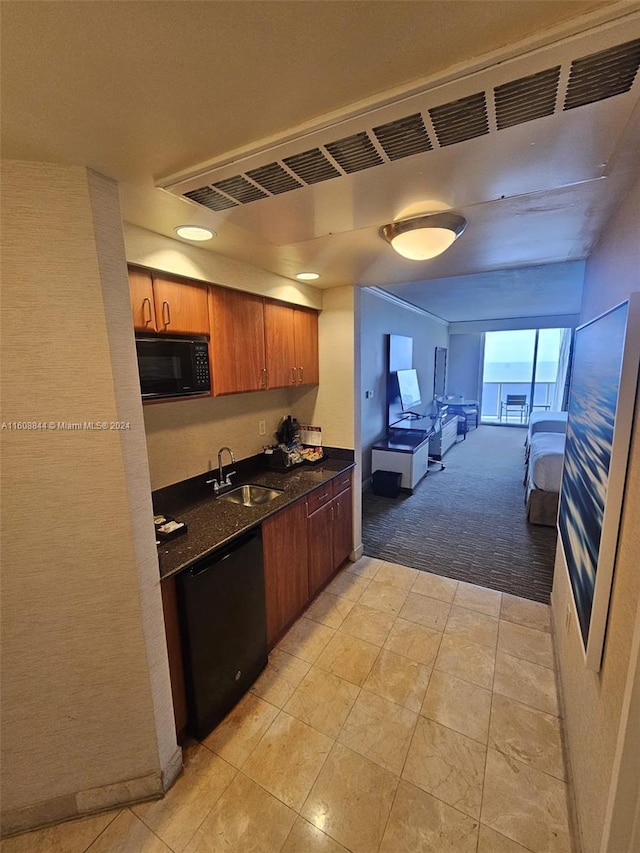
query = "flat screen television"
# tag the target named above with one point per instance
(409, 390)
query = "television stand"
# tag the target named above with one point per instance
(406, 452)
(445, 437)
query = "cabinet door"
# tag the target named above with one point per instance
(342, 527)
(279, 345)
(181, 307)
(321, 562)
(420, 464)
(305, 330)
(286, 576)
(237, 341)
(141, 294)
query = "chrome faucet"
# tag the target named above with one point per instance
(222, 481)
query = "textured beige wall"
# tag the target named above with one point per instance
(594, 701)
(86, 705)
(334, 406)
(183, 437)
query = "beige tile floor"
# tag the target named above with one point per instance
(403, 712)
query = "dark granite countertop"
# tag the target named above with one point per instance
(213, 523)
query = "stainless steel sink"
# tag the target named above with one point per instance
(250, 495)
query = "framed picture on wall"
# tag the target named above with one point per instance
(601, 408)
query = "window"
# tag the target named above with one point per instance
(523, 371)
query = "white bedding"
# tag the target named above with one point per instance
(545, 461)
(547, 422)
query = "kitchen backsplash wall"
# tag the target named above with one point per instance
(183, 438)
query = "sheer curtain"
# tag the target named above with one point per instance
(561, 391)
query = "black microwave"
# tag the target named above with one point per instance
(172, 367)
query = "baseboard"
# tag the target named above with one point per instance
(572, 806)
(357, 552)
(92, 801)
(172, 770)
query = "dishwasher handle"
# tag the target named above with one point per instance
(211, 560)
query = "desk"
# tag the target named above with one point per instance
(406, 454)
(467, 409)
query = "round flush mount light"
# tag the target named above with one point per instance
(194, 232)
(424, 237)
(307, 276)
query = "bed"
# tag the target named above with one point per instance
(544, 477)
(545, 422)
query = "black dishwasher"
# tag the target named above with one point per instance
(224, 633)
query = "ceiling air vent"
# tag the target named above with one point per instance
(311, 166)
(274, 178)
(354, 153)
(602, 75)
(403, 137)
(239, 188)
(210, 198)
(526, 99)
(460, 120)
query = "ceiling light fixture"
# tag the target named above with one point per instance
(194, 232)
(424, 237)
(307, 276)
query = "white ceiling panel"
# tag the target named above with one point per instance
(552, 289)
(185, 95)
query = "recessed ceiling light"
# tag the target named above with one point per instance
(307, 276)
(194, 232)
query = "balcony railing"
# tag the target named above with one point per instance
(495, 393)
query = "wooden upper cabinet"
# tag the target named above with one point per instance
(164, 304)
(305, 332)
(279, 345)
(291, 340)
(237, 341)
(141, 293)
(181, 307)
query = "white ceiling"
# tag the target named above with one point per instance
(161, 93)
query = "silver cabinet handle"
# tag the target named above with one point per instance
(293, 376)
(300, 375)
(338, 508)
(166, 314)
(146, 303)
(263, 381)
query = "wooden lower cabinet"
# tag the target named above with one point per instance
(286, 575)
(342, 527)
(321, 562)
(174, 651)
(330, 531)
